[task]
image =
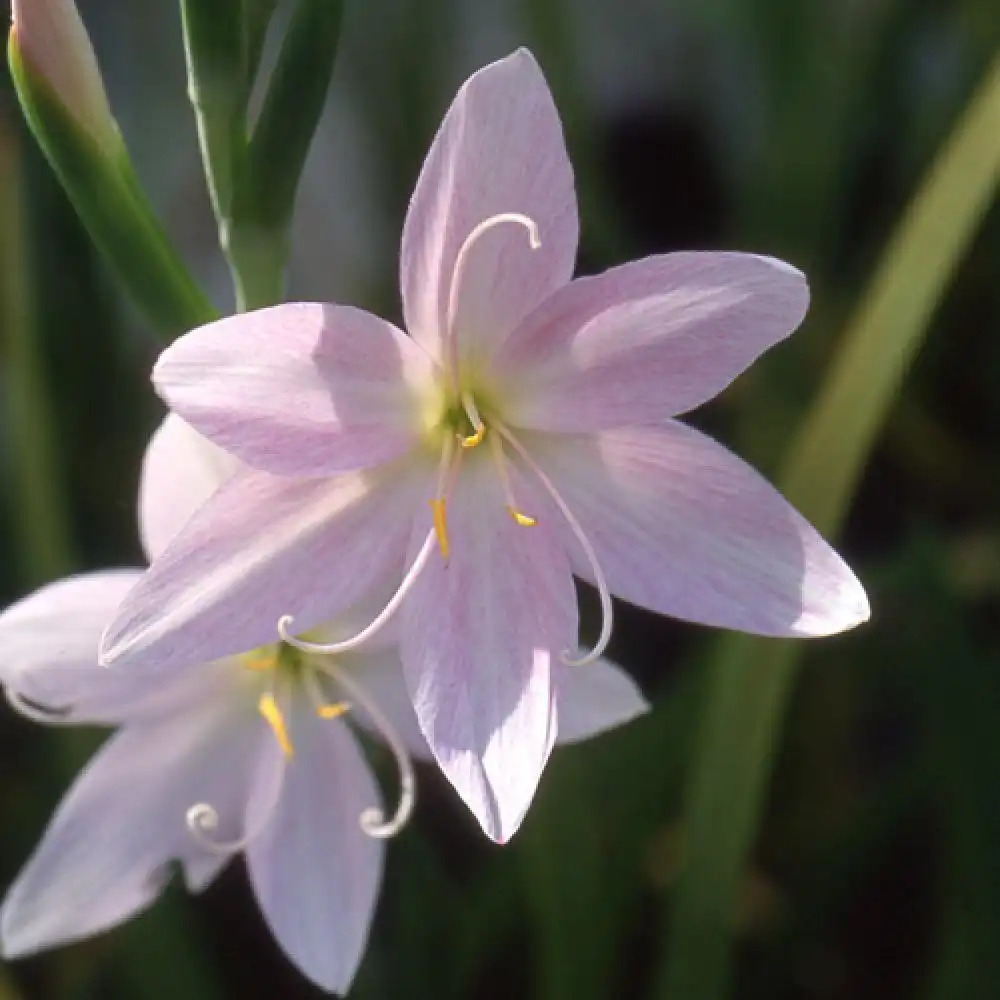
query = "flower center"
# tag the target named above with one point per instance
(288, 669)
(468, 419)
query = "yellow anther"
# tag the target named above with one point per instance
(275, 718)
(259, 661)
(474, 439)
(522, 519)
(440, 507)
(334, 711)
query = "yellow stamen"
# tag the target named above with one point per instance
(440, 507)
(275, 718)
(334, 711)
(472, 440)
(524, 520)
(259, 661)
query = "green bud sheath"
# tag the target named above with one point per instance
(95, 171)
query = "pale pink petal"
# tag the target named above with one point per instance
(594, 698)
(48, 657)
(380, 673)
(646, 341)
(180, 471)
(315, 872)
(500, 149)
(106, 853)
(301, 389)
(263, 547)
(479, 637)
(684, 527)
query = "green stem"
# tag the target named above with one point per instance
(751, 678)
(264, 199)
(258, 260)
(110, 202)
(42, 518)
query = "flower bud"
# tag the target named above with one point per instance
(52, 43)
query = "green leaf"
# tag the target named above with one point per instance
(112, 207)
(256, 18)
(750, 678)
(42, 534)
(215, 50)
(272, 169)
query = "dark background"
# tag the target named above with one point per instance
(798, 129)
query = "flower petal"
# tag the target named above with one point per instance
(646, 341)
(500, 149)
(594, 698)
(316, 874)
(48, 656)
(301, 389)
(180, 471)
(261, 548)
(104, 856)
(381, 675)
(479, 636)
(684, 527)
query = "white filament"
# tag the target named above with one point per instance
(202, 821)
(607, 612)
(373, 820)
(461, 259)
(376, 625)
(500, 462)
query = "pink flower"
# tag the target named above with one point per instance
(524, 432)
(248, 753)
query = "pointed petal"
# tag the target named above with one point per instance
(595, 698)
(300, 389)
(180, 471)
(381, 675)
(48, 656)
(103, 858)
(684, 527)
(646, 341)
(316, 874)
(263, 547)
(479, 636)
(500, 149)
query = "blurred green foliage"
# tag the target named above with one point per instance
(796, 129)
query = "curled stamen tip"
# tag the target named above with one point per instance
(202, 817)
(285, 626)
(374, 823)
(524, 520)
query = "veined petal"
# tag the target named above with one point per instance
(643, 342)
(380, 673)
(316, 874)
(481, 636)
(180, 471)
(301, 389)
(263, 547)
(500, 149)
(104, 856)
(48, 656)
(594, 698)
(684, 527)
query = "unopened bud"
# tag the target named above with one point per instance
(54, 48)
